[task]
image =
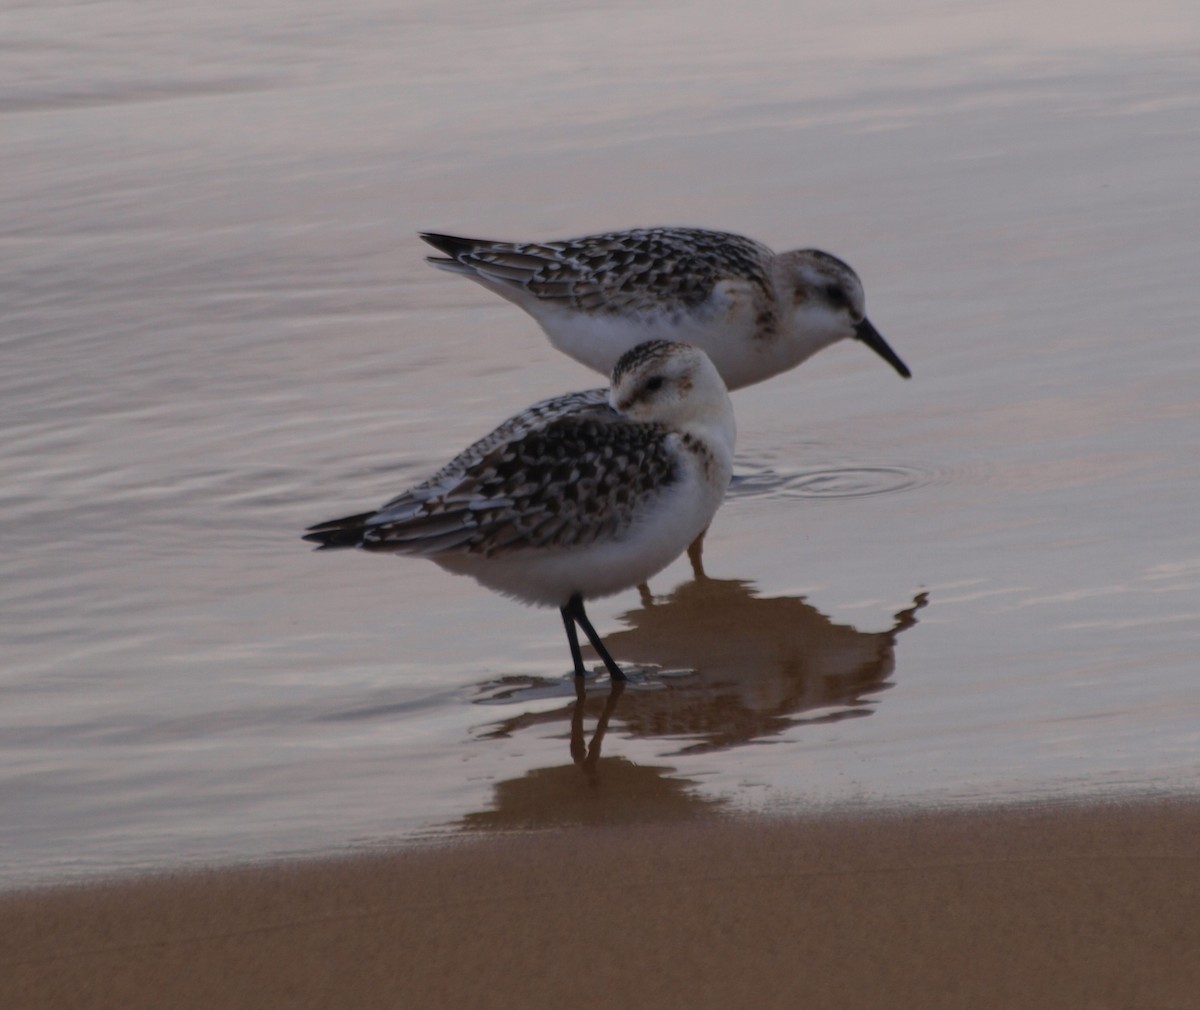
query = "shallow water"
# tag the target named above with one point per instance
(983, 584)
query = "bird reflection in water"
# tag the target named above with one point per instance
(754, 666)
(613, 790)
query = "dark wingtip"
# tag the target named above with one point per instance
(874, 340)
(336, 533)
(452, 245)
(334, 539)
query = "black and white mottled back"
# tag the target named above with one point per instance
(675, 268)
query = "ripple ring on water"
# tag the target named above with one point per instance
(833, 481)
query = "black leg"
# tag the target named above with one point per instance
(574, 609)
(573, 639)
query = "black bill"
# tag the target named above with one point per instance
(870, 336)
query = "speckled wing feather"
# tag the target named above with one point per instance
(673, 267)
(585, 403)
(579, 478)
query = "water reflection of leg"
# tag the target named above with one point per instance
(593, 752)
(578, 749)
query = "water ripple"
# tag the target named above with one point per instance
(848, 480)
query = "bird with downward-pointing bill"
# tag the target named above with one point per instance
(755, 312)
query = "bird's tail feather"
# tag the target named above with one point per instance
(452, 245)
(345, 532)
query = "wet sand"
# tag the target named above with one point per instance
(1078, 906)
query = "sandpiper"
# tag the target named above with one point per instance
(755, 313)
(576, 497)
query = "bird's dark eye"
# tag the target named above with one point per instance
(835, 295)
(654, 384)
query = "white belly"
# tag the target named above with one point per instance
(549, 577)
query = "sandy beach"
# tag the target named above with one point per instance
(1079, 906)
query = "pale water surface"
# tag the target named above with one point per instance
(980, 585)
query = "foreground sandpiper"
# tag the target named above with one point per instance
(575, 497)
